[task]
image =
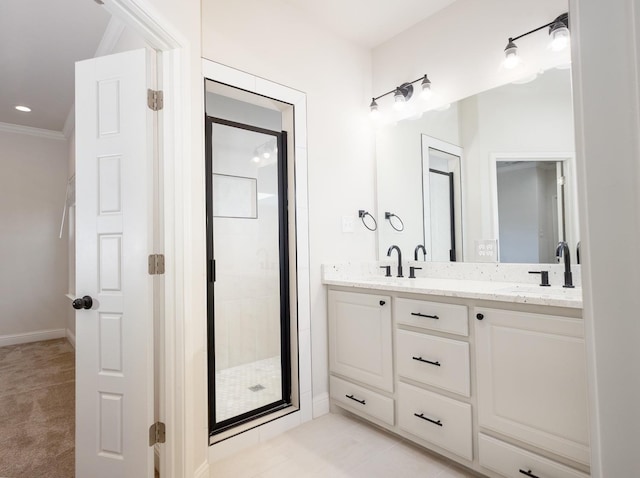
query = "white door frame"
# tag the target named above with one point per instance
(571, 194)
(179, 391)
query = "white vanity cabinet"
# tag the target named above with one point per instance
(531, 375)
(360, 353)
(500, 391)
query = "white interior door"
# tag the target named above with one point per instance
(114, 338)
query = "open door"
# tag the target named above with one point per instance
(114, 324)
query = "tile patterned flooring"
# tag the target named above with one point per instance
(336, 446)
(237, 388)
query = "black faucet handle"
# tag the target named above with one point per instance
(544, 277)
(387, 270)
(412, 271)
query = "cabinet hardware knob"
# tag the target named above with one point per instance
(528, 473)
(355, 399)
(421, 415)
(479, 316)
(382, 302)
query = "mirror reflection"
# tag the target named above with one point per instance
(489, 179)
(441, 200)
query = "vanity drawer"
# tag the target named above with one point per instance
(439, 420)
(361, 400)
(514, 462)
(450, 318)
(433, 360)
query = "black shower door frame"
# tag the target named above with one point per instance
(216, 427)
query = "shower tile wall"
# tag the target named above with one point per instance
(247, 300)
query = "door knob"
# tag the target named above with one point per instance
(85, 303)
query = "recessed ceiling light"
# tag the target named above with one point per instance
(26, 109)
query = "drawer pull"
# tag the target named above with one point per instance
(420, 359)
(418, 314)
(439, 423)
(528, 473)
(355, 399)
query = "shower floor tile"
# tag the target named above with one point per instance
(246, 387)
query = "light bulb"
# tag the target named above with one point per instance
(426, 92)
(266, 155)
(559, 38)
(511, 56)
(374, 112)
(24, 109)
(256, 159)
(399, 99)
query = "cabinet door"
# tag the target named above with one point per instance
(360, 338)
(532, 380)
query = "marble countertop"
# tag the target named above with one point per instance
(503, 291)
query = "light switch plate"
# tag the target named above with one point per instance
(348, 224)
(486, 250)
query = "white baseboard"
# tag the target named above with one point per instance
(321, 405)
(71, 337)
(202, 471)
(16, 339)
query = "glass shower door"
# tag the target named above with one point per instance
(249, 362)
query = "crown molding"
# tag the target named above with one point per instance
(41, 133)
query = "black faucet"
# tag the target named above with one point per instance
(578, 253)
(415, 252)
(399, 258)
(563, 251)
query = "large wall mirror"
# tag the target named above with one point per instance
(491, 178)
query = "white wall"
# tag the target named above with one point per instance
(608, 147)
(33, 272)
(462, 46)
(282, 45)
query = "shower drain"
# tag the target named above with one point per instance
(257, 388)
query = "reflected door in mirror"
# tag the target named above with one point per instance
(530, 210)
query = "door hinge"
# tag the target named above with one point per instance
(156, 264)
(157, 433)
(155, 99)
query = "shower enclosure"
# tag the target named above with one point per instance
(248, 265)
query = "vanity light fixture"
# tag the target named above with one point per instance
(558, 30)
(401, 94)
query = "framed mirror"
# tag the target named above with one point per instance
(523, 126)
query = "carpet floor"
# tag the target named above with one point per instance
(37, 410)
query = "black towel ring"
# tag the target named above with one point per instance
(389, 216)
(362, 214)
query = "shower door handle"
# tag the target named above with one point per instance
(212, 270)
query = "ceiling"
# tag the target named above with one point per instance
(369, 22)
(41, 40)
